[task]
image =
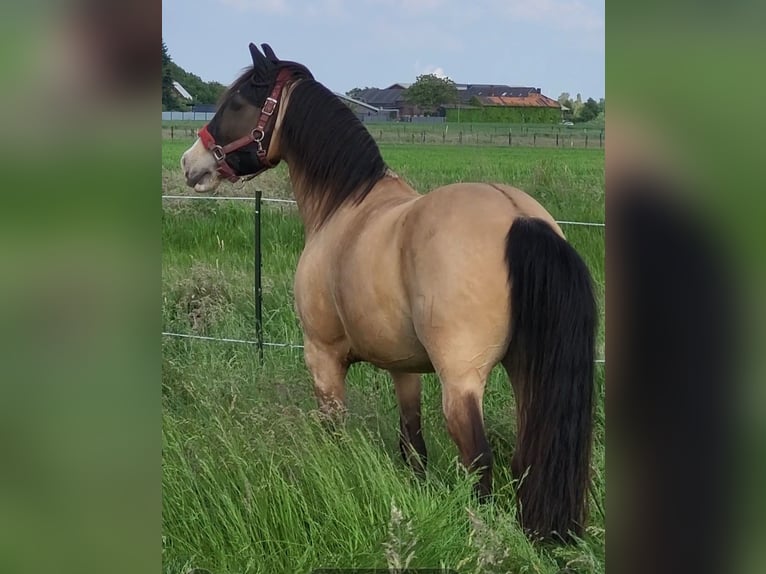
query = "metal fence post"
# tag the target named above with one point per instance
(258, 287)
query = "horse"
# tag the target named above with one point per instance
(453, 281)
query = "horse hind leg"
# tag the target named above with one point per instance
(462, 404)
(411, 443)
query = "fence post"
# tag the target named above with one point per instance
(557, 139)
(534, 139)
(258, 287)
(601, 139)
(510, 137)
(460, 137)
(171, 132)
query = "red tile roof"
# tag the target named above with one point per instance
(532, 100)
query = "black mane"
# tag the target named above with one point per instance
(261, 88)
(330, 147)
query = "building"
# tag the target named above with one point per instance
(391, 97)
(181, 91)
(500, 103)
(368, 112)
(476, 103)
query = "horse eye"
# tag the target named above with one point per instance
(236, 104)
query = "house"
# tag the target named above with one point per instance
(369, 112)
(500, 103)
(476, 103)
(389, 98)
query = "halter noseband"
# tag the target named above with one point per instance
(257, 136)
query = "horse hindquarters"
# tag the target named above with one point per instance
(550, 362)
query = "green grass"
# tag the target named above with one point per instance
(252, 482)
(468, 134)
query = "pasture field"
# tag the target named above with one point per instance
(251, 482)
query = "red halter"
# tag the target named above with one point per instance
(257, 136)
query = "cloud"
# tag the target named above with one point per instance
(556, 14)
(264, 6)
(420, 69)
(409, 7)
(437, 71)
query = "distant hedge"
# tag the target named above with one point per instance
(501, 114)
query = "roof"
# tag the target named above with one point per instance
(533, 100)
(357, 102)
(486, 94)
(181, 90)
(389, 97)
(495, 90)
(466, 92)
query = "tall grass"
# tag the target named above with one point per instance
(252, 482)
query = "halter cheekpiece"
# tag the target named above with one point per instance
(256, 136)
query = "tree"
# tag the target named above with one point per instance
(430, 91)
(202, 92)
(566, 101)
(170, 100)
(576, 107)
(588, 111)
(356, 92)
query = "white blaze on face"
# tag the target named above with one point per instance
(199, 168)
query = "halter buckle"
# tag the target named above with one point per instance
(269, 106)
(218, 153)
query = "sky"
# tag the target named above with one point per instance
(554, 45)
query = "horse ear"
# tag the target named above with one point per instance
(269, 53)
(258, 59)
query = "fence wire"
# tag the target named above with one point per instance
(291, 346)
(248, 342)
(293, 202)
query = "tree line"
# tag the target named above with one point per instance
(429, 91)
(202, 92)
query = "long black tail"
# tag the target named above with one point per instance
(551, 362)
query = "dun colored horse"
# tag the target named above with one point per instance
(455, 281)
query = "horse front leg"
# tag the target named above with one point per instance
(328, 366)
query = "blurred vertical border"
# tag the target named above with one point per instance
(80, 220)
(685, 284)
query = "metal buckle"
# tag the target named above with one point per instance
(218, 153)
(269, 106)
(259, 137)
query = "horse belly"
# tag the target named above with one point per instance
(380, 330)
(394, 354)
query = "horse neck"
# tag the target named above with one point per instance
(308, 194)
(302, 191)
